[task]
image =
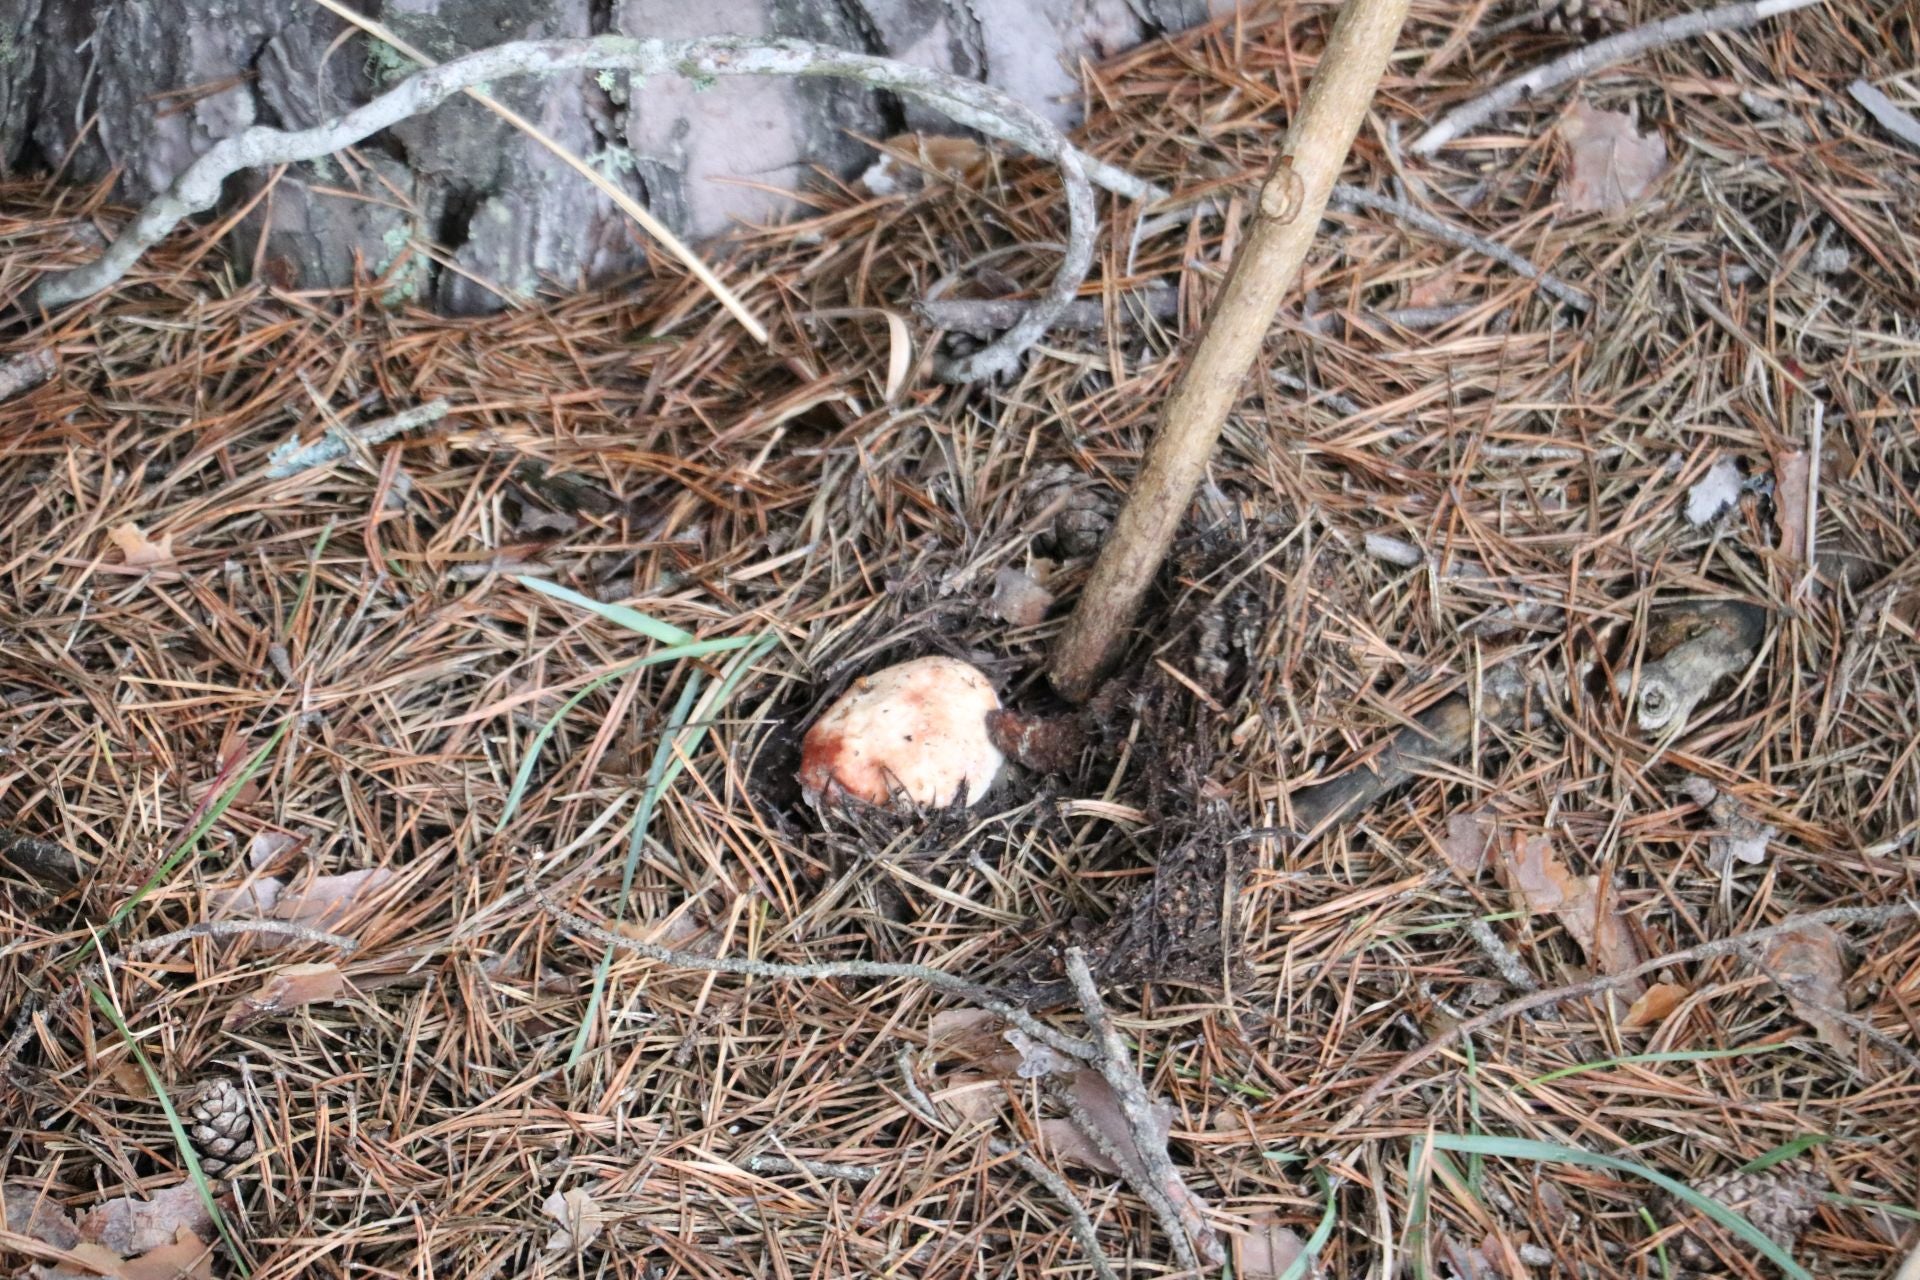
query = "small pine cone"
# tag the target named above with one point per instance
(220, 1127)
(1780, 1202)
(1082, 512)
(1586, 19)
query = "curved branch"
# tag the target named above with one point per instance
(1597, 56)
(976, 106)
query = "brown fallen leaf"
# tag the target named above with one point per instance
(1792, 472)
(324, 900)
(1469, 835)
(130, 1225)
(141, 552)
(1544, 885)
(28, 1211)
(1808, 965)
(286, 989)
(185, 1257)
(1610, 163)
(1106, 1128)
(96, 1260)
(1654, 1004)
(1267, 1248)
(579, 1217)
(1018, 600)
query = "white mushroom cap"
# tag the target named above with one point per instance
(916, 731)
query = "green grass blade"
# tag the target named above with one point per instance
(618, 614)
(214, 813)
(669, 759)
(1676, 1055)
(1785, 1151)
(521, 778)
(180, 1139)
(1303, 1261)
(1528, 1149)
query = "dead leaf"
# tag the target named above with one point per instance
(99, 1261)
(1654, 1004)
(140, 551)
(129, 1225)
(1267, 1248)
(30, 1212)
(324, 900)
(1791, 475)
(579, 1217)
(1469, 836)
(287, 989)
(1545, 886)
(1109, 1131)
(973, 1096)
(1808, 965)
(265, 849)
(1018, 600)
(1741, 836)
(130, 1080)
(1714, 492)
(1610, 163)
(185, 1257)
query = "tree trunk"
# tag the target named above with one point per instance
(457, 208)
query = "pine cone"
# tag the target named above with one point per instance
(1586, 19)
(1082, 513)
(1779, 1201)
(220, 1127)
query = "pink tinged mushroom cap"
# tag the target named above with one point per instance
(915, 732)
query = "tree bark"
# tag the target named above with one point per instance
(457, 209)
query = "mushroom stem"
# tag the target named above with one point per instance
(1286, 216)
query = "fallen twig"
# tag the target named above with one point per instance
(1187, 1229)
(1901, 124)
(967, 102)
(1440, 229)
(774, 1165)
(921, 1106)
(973, 992)
(1599, 54)
(293, 457)
(1286, 219)
(1083, 314)
(1613, 982)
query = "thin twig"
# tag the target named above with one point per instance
(973, 992)
(1613, 982)
(1901, 124)
(922, 1108)
(775, 1165)
(1193, 1240)
(967, 102)
(293, 457)
(1440, 229)
(1594, 57)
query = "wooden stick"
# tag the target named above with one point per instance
(1288, 213)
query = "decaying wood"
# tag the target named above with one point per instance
(1287, 216)
(1693, 646)
(41, 860)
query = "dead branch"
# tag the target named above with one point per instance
(922, 1108)
(972, 992)
(1901, 124)
(1186, 1228)
(293, 457)
(1287, 215)
(1441, 733)
(968, 103)
(1594, 57)
(1440, 229)
(1695, 646)
(1613, 982)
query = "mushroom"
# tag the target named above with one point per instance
(915, 732)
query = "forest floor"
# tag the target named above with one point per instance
(339, 700)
